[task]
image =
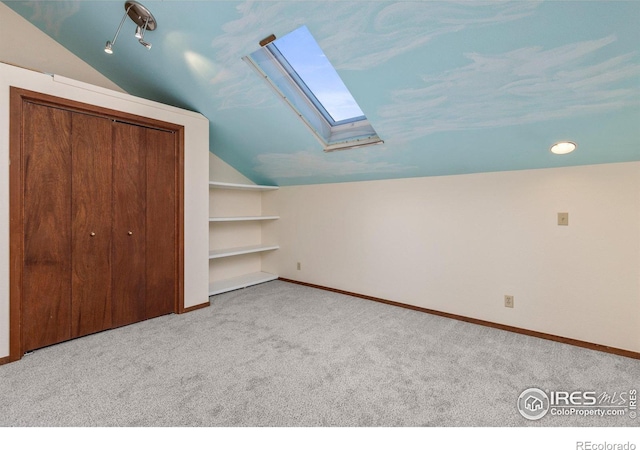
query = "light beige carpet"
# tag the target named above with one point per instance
(280, 354)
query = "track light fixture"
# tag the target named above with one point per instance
(143, 19)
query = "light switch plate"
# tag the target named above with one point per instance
(563, 218)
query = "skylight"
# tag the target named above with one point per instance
(316, 73)
(298, 70)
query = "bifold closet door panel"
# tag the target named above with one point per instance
(91, 224)
(161, 272)
(46, 283)
(129, 223)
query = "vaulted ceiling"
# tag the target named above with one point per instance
(452, 87)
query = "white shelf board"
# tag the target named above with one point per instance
(213, 254)
(231, 284)
(242, 187)
(241, 218)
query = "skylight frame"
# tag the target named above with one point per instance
(287, 84)
(277, 54)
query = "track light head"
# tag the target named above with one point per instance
(141, 29)
(146, 44)
(108, 48)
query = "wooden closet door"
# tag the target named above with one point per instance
(129, 223)
(46, 282)
(95, 219)
(161, 221)
(91, 224)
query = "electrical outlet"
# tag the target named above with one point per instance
(299, 266)
(508, 301)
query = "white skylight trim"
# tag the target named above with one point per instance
(344, 133)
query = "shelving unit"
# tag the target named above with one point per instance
(241, 187)
(241, 218)
(240, 282)
(238, 265)
(213, 254)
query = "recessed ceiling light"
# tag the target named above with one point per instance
(562, 148)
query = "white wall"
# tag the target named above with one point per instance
(23, 44)
(458, 244)
(223, 172)
(195, 178)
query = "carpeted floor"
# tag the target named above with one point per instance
(280, 354)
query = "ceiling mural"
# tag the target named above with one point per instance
(451, 87)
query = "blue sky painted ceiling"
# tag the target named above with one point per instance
(451, 87)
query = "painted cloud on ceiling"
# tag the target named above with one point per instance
(353, 35)
(304, 164)
(525, 85)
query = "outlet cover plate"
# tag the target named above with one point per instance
(508, 301)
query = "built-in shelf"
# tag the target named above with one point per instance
(231, 284)
(242, 187)
(213, 254)
(236, 265)
(242, 218)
